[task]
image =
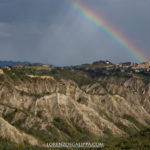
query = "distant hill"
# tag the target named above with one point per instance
(13, 63)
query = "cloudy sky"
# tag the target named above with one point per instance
(51, 32)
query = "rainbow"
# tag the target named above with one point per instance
(108, 29)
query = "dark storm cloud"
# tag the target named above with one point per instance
(49, 31)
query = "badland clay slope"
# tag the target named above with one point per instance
(39, 110)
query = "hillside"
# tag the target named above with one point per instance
(71, 104)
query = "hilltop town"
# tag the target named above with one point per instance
(95, 67)
(128, 67)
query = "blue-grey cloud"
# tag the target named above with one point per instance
(49, 31)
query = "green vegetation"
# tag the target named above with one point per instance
(42, 136)
(63, 126)
(15, 74)
(134, 121)
(126, 129)
(108, 132)
(138, 141)
(7, 145)
(9, 117)
(82, 134)
(80, 74)
(37, 95)
(73, 132)
(1, 78)
(79, 77)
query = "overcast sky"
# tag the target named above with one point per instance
(49, 31)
